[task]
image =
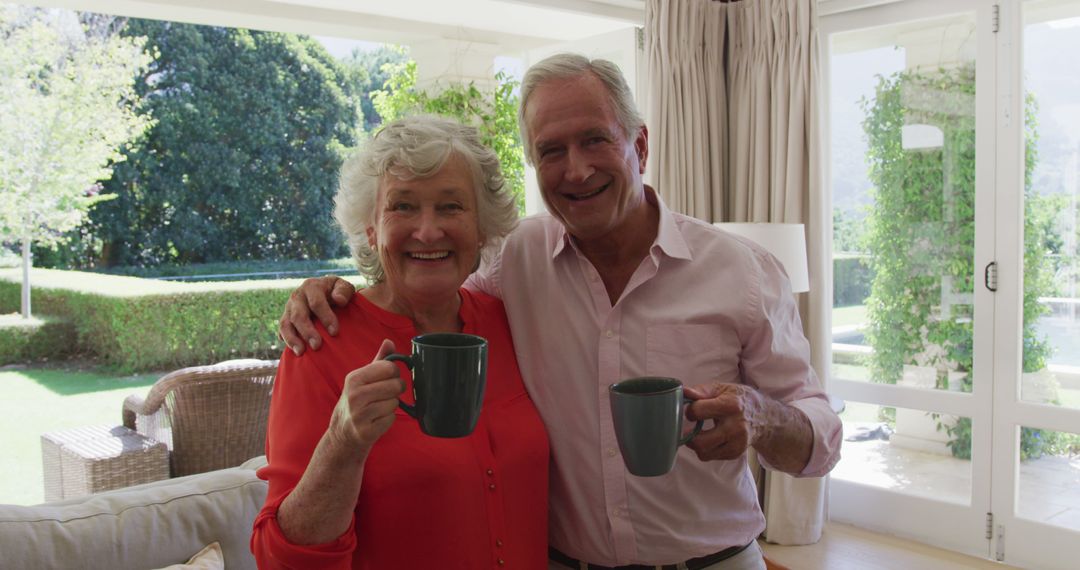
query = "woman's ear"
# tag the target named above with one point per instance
(372, 238)
(479, 253)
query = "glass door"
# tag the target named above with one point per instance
(911, 88)
(1036, 485)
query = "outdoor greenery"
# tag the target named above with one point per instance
(255, 269)
(493, 112)
(235, 173)
(921, 237)
(132, 324)
(851, 279)
(67, 107)
(42, 399)
(23, 340)
(251, 125)
(367, 72)
(242, 163)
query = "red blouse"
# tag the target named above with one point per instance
(474, 502)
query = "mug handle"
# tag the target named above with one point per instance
(697, 427)
(407, 361)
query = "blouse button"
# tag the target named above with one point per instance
(491, 486)
(490, 473)
(498, 542)
(502, 562)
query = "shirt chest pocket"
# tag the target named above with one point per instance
(695, 354)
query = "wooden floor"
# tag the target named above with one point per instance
(844, 547)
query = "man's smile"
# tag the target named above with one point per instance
(586, 196)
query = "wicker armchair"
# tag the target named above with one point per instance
(210, 417)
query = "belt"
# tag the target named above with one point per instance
(691, 564)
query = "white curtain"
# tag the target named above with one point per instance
(735, 137)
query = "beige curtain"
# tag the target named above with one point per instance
(735, 137)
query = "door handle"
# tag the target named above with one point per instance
(990, 276)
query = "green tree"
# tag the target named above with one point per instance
(922, 235)
(367, 72)
(849, 231)
(493, 112)
(243, 161)
(67, 106)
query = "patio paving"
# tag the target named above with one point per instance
(1049, 487)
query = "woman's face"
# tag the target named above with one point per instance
(426, 231)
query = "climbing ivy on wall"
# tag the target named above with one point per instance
(921, 236)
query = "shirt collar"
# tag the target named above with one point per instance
(669, 240)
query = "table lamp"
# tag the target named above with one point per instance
(786, 242)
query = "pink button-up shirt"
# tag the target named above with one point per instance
(704, 305)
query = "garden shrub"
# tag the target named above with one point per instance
(134, 324)
(23, 340)
(852, 277)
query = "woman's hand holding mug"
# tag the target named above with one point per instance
(365, 410)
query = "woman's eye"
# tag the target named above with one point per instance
(401, 206)
(452, 206)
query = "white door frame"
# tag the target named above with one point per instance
(995, 406)
(1017, 540)
(955, 527)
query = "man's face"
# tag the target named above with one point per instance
(588, 170)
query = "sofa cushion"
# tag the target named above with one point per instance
(147, 526)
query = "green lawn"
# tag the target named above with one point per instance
(38, 400)
(854, 315)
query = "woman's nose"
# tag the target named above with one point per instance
(429, 227)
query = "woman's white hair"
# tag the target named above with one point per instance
(571, 65)
(418, 147)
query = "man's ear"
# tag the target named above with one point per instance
(641, 147)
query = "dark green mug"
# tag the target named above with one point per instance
(449, 376)
(648, 417)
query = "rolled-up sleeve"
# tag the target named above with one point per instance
(776, 361)
(304, 398)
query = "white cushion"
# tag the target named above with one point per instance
(147, 526)
(209, 558)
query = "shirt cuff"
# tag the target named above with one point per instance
(828, 433)
(273, 550)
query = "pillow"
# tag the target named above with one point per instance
(209, 558)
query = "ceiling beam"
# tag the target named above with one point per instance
(629, 11)
(284, 17)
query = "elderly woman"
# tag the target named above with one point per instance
(352, 480)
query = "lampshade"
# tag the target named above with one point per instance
(786, 242)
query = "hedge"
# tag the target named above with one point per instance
(23, 340)
(852, 277)
(137, 324)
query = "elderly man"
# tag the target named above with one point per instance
(610, 284)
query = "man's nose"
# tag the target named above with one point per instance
(429, 226)
(579, 168)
